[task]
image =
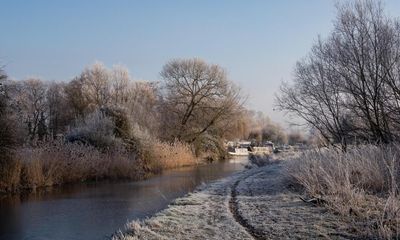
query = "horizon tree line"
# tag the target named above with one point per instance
(194, 103)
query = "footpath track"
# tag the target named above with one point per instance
(234, 209)
(254, 204)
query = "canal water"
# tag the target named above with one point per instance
(97, 210)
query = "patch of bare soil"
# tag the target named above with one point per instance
(254, 204)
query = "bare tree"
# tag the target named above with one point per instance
(198, 98)
(143, 105)
(97, 84)
(7, 140)
(96, 87)
(348, 86)
(60, 113)
(239, 125)
(7, 134)
(315, 96)
(31, 103)
(360, 53)
(76, 97)
(120, 80)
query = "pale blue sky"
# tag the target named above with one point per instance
(257, 42)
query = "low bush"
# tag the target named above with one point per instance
(361, 183)
(210, 148)
(97, 130)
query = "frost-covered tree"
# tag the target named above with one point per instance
(348, 86)
(199, 100)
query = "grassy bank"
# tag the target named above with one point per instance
(57, 163)
(361, 184)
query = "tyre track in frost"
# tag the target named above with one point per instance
(234, 209)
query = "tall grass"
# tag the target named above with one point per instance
(361, 184)
(160, 155)
(57, 163)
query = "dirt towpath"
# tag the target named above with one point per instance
(253, 204)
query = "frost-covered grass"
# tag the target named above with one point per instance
(265, 205)
(267, 202)
(361, 184)
(200, 215)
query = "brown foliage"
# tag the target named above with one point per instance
(58, 163)
(158, 155)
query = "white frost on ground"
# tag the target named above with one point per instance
(265, 202)
(252, 204)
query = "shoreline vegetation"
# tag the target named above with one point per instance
(103, 125)
(56, 163)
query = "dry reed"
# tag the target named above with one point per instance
(361, 184)
(58, 163)
(163, 155)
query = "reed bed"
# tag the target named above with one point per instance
(164, 155)
(58, 163)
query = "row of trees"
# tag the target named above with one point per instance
(48, 109)
(348, 88)
(195, 103)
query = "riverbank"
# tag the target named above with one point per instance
(94, 211)
(258, 203)
(57, 163)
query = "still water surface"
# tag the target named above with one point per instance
(96, 210)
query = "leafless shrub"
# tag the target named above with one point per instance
(361, 183)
